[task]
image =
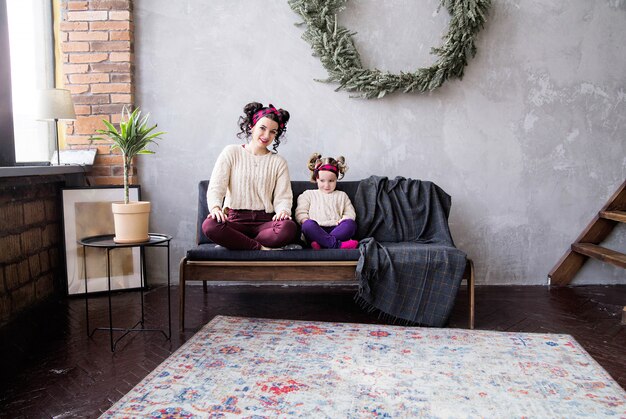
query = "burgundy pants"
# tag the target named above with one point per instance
(249, 230)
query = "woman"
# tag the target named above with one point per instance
(249, 195)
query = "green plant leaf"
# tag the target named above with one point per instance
(132, 138)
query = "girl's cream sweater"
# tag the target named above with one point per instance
(325, 208)
(241, 180)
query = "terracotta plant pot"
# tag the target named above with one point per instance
(131, 221)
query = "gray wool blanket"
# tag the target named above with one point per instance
(409, 268)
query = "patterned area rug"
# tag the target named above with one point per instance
(275, 368)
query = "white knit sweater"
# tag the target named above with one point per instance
(325, 208)
(242, 180)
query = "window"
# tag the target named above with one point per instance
(28, 25)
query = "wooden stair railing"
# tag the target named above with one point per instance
(588, 243)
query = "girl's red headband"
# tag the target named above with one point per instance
(266, 111)
(328, 167)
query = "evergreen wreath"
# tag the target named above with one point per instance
(335, 48)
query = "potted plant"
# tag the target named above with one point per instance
(134, 135)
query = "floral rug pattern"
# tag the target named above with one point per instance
(258, 368)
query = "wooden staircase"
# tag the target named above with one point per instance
(588, 243)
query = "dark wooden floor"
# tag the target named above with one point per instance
(50, 368)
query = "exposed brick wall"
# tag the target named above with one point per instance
(98, 61)
(30, 242)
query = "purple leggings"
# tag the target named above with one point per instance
(249, 230)
(328, 237)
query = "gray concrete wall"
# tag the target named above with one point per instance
(529, 144)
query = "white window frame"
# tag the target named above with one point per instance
(31, 39)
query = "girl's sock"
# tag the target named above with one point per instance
(348, 244)
(316, 245)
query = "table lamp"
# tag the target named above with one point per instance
(55, 104)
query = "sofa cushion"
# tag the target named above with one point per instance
(297, 187)
(210, 251)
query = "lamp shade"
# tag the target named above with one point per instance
(55, 104)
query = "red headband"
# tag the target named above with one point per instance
(328, 167)
(266, 111)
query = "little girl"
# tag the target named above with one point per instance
(327, 215)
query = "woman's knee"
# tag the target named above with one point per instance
(288, 229)
(210, 226)
(284, 232)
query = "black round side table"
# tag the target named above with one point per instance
(106, 242)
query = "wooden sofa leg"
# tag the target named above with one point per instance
(470, 291)
(204, 287)
(181, 295)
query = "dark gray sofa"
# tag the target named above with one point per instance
(206, 262)
(207, 250)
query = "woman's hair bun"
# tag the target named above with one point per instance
(284, 116)
(252, 107)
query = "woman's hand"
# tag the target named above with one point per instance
(217, 214)
(283, 215)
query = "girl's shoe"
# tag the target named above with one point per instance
(316, 245)
(349, 244)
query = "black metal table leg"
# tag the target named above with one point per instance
(109, 295)
(169, 303)
(107, 242)
(142, 278)
(86, 291)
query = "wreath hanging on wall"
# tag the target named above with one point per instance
(334, 46)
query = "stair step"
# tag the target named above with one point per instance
(596, 231)
(614, 215)
(600, 253)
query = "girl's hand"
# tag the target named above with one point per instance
(283, 215)
(217, 214)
